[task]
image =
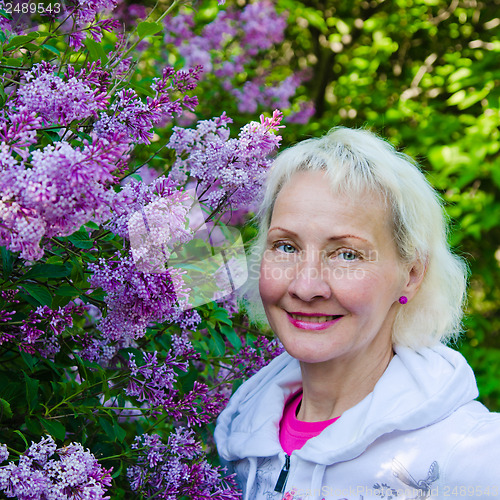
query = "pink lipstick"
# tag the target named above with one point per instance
(306, 321)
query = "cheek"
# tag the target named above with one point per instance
(362, 290)
(272, 282)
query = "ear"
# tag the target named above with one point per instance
(414, 276)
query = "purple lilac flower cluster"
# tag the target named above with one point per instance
(226, 169)
(132, 117)
(255, 28)
(40, 332)
(177, 469)
(65, 187)
(61, 100)
(251, 359)
(74, 475)
(134, 299)
(83, 15)
(53, 191)
(153, 384)
(137, 196)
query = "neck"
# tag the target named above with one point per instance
(331, 388)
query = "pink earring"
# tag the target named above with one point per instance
(403, 299)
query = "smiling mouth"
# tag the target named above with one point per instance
(313, 319)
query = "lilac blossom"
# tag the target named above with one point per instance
(84, 11)
(4, 453)
(40, 332)
(258, 92)
(18, 132)
(177, 469)
(65, 188)
(73, 475)
(262, 26)
(250, 359)
(135, 299)
(59, 100)
(153, 381)
(153, 385)
(153, 217)
(304, 114)
(130, 115)
(227, 169)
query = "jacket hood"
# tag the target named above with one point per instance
(417, 389)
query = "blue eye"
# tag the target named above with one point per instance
(349, 255)
(287, 248)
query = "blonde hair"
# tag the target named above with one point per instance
(357, 161)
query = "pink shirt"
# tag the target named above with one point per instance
(293, 432)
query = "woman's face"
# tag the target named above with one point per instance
(331, 276)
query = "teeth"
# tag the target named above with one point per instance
(313, 319)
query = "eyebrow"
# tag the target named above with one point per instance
(331, 238)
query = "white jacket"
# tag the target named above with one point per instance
(419, 434)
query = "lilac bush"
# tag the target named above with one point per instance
(105, 366)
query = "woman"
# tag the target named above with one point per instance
(357, 281)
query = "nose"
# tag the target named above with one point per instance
(309, 282)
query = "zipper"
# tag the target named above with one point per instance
(280, 484)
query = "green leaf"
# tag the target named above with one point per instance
(6, 15)
(216, 342)
(47, 271)
(52, 135)
(77, 271)
(66, 290)
(20, 40)
(29, 360)
(146, 28)
(232, 336)
(5, 409)
(120, 432)
(81, 239)
(96, 51)
(22, 437)
(32, 386)
(12, 61)
(222, 316)
(7, 262)
(108, 428)
(54, 428)
(52, 49)
(39, 293)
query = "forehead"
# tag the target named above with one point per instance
(308, 200)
